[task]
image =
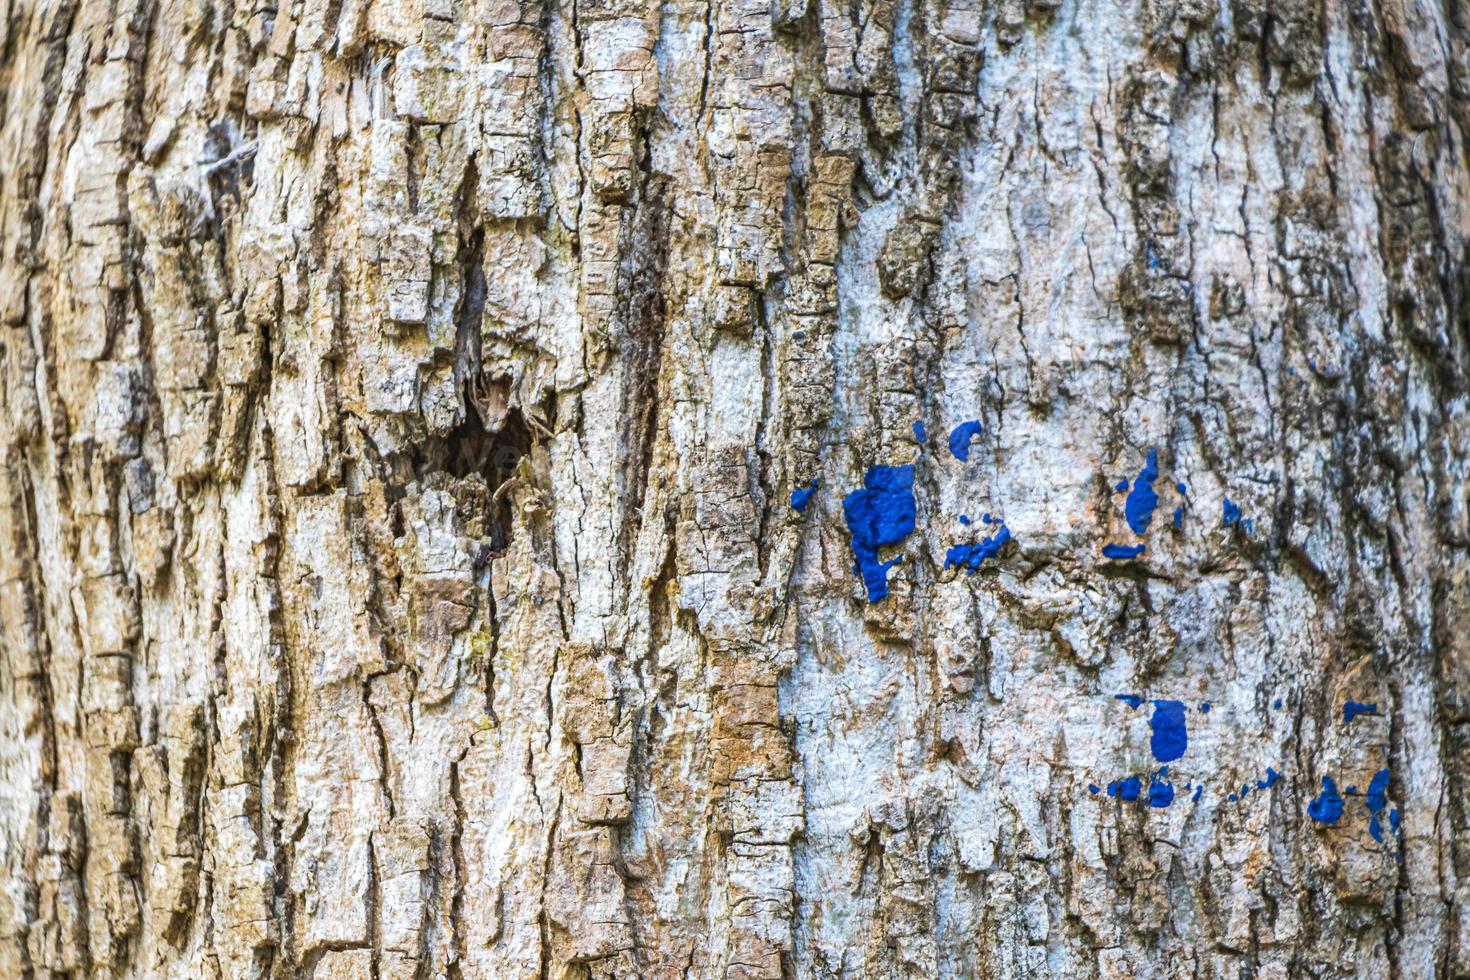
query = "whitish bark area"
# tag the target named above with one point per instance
(401, 405)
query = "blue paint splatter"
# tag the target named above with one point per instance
(1180, 488)
(1393, 821)
(959, 439)
(1232, 512)
(1352, 709)
(971, 555)
(919, 434)
(1178, 516)
(1327, 807)
(1170, 736)
(1204, 706)
(1271, 776)
(987, 519)
(801, 495)
(1094, 788)
(1198, 792)
(965, 519)
(1377, 801)
(1160, 793)
(1138, 509)
(1121, 485)
(1231, 797)
(1121, 552)
(1133, 700)
(880, 514)
(1126, 790)
(1276, 703)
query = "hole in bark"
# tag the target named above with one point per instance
(468, 449)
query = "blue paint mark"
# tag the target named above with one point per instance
(880, 514)
(1121, 485)
(1126, 790)
(1170, 736)
(965, 519)
(919, 434)
(1138, 509)
(1094, 788)
(1133, 700)
(1160, 793)
(987, 519)
(1276, 703)
(1198, 791)
(972, 555)
(1377, 801)
(1231, 797)
(1205, 707)
(1180, 488)
(1327, 807)
(801, 495)
(1271, 776)
(799, 335)
(1232, 512)
(1121, 552)
(1352, 709)
(959, 439)
(1178, 516)
(1245, 789)
(1393, 821)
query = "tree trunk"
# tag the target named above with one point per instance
(400, 572)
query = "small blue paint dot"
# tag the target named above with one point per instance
(959, 439)
(920, 435)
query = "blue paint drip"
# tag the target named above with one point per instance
(1126, 790)
(1170, 736)
(919, 434)
(1352, 709)
(1327, 807)
(971, 555)
(1121, 485)
(1133, 700)
(1160, 793)
(1138, 509)
(1232, 512)
(1271, 776)
(801, 495)
(1377, 802)
(1198, 792)
(1178, 516)
(1121, 552)
(959, 439)
(880, 514)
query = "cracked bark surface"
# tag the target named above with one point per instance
(401, 404)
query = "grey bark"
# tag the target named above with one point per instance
(402, 401)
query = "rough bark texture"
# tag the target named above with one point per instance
(401, 405)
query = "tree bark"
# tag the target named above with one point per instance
(403, 402)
